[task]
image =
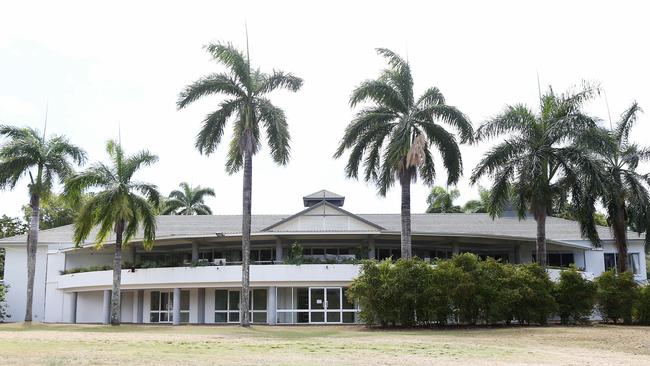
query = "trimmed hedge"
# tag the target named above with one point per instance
(468, 290)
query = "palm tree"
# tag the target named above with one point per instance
(625, 192)
(392, 137)
(121, 206)
(188, 201)
(441, 200)
(28, 152)
(480, 205)
(250, 111)
(539, 161)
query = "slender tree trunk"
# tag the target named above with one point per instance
(540, 218)
(405, 182)
(246, 239)
(620, 237)
(32, 245)
(117, 275)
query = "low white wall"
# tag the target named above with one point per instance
(213, 276)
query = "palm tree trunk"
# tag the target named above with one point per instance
(246, 239)
(620, 237)
(32, 245)
(405, 182)
(117, 274)
(540, 218)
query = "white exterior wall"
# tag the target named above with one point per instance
(15, 277)
(90, 306)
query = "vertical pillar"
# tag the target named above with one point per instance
(279, 256)
(195, 251)
(139, 318)
(176, 307)
(271, 306)
(200, 305)
(72, 318)
(371, 248)
(455, 250)
(106, 313)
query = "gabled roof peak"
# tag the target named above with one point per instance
(323, 195)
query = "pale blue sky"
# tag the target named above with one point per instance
(98, 65)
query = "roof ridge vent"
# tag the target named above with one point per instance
(323, 195)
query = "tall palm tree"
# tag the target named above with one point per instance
(188, 201)
(121, 205)
(441, 200)
(250, 111)
(625, 192)
(28, 152)
(539, 161)
(393, 136)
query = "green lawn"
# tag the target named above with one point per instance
(310, 345)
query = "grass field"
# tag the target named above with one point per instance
(280, 345)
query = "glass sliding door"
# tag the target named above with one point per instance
(226, 306)
(162, 307)
(317, 305)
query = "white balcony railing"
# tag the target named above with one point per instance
(213, 276)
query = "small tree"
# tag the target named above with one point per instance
(575, 296)
(534, 301)
(372, 290)
(616, 295)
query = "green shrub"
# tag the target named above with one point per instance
(372, 291)
(294, 255)
(105, 267)
(616, 294)
(642, 305)
(3, 305)
(531, 298)
(410, 283)
(441, 292)
(575, 296)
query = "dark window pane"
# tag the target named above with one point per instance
(155, 300)
(185, 317)
(233, 316)
(318, 251)
(344, 251)
(302, 298)
(185, 300)
(383, 254)
(165, 301)
(164, 316)
(233, 300)
(318, 317)
(259, 299)
(567, 259)
(331, 251)
(255, 255)
(154, 317)
(303, 317)
(610, 261)
(317, 298)
(221, 300)
(348, 317)
(333, 298)
(259, 317)
(554, 259)
(220, 317)
(347, 302)
(333, 317)
(266, 255)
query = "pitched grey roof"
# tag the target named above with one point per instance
(434, 224)
(324, 193)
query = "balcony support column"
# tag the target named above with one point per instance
(271, 313)
(176, 307)
(139, 318)
(72, 310)
(371, 248)
(200, 306)
(195, 251)
(106, 313)
(279, 256)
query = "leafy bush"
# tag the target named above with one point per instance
(616, 295)
(3, 305)
(575, 296)
(531, 298)
(372, 291)
(294, 255)
(642, 305)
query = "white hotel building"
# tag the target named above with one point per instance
(166, 285)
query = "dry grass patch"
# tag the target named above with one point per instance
(310, 345)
